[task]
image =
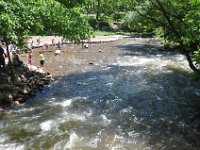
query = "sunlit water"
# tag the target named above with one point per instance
(132, 97)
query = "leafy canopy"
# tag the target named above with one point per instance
(19, 18)
(179, 21)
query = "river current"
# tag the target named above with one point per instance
(125, 95)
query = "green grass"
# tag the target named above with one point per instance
(105, 33)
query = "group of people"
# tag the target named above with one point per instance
(13, 55)
(41, 57)
(15, 58)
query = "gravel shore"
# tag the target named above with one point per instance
(54, 64)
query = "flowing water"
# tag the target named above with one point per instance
(124, 95)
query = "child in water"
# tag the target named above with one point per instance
(41, 57)
(30, 56)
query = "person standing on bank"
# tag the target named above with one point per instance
(2, 57)
(41, 57)
(30, 56)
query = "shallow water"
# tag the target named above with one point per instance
(125, 95)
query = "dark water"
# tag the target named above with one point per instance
(126, 95)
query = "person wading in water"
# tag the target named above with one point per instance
(41, 57)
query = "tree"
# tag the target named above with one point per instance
(20, 18)
(178, 19)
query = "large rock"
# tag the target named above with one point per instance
(7, 97)
(7, 87)
(20, 83)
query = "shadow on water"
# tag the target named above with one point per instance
(149, 103)
(146, 49)
(158, 106)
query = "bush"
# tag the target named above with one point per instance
(118, 16)
(103, 24)
(93, 23)
(104, 18)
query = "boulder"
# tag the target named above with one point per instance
(16, 103)
(57, 52)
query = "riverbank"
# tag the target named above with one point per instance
(22, 82)
(55, 64)
(18, 83)
(39, 41)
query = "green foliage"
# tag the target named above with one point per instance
(132, 23)
(103, 33)
(19, 18)
(197, 56)
(196, 76)
(118, 16)
(159, 32)
(102, 24)
(93, 22)
(178, 19)
(72, 3)
(107, 12)
(105, 18)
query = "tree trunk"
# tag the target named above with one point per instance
(189, 59)
(98, 10)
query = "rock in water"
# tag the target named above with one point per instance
(58, 52)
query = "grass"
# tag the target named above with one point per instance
(106, 33)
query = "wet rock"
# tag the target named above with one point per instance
(57, 52)
(41, 85)
(19, 79)
(25, 91)
(16, 103)
(45, 81)
(20, 83)
(20, 100)
(7, 97)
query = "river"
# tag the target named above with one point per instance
(124, 95)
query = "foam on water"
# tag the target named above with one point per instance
(9, 146)
(64, 103)
(24, 110)
(12, 147)
(77, 117)
(47, 125)
(106, 121)
(93, 143)
(72, 140)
